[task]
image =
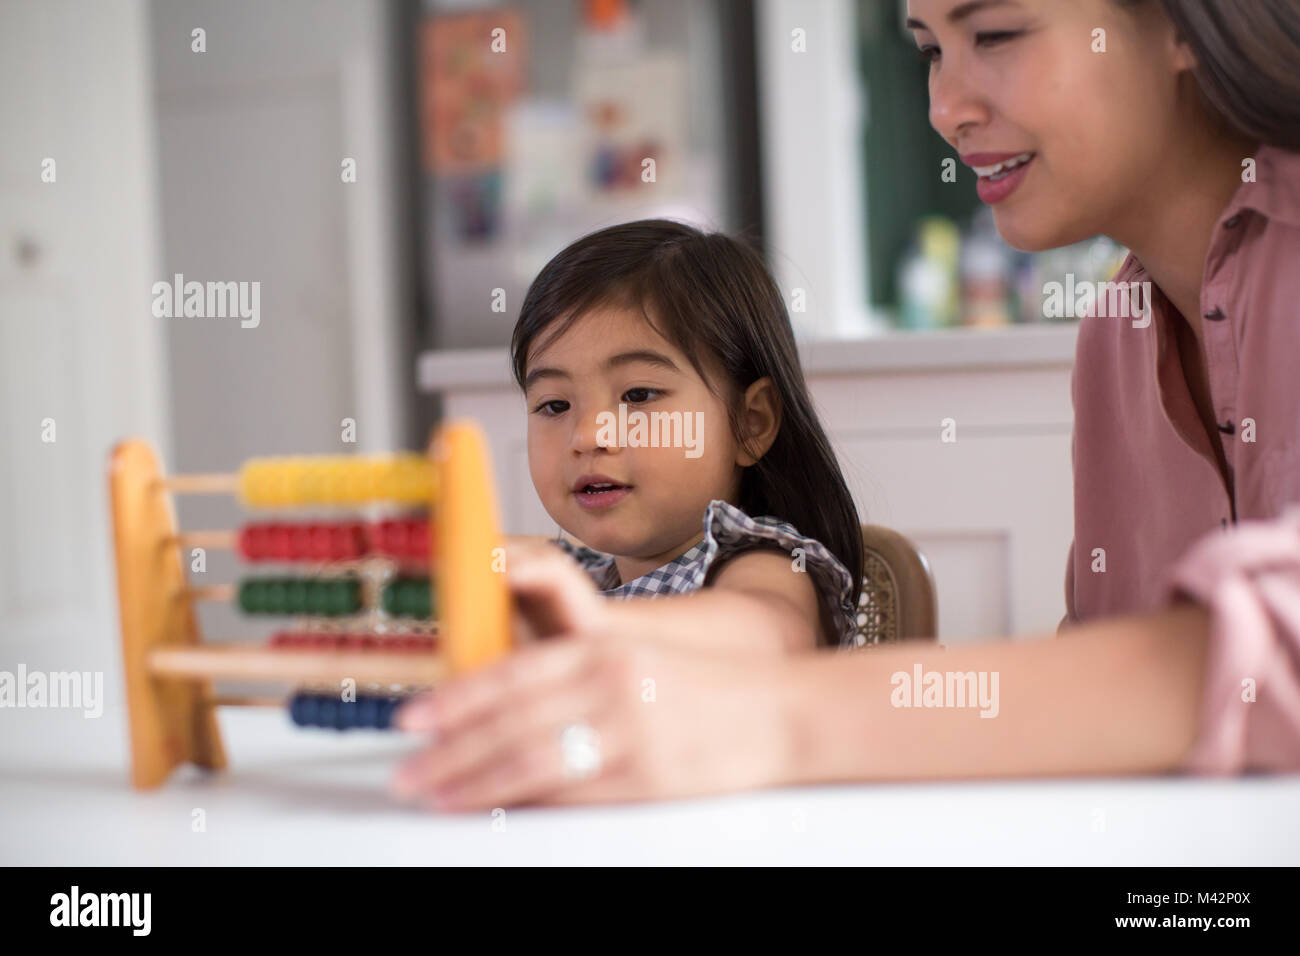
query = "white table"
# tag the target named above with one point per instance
(317, 797)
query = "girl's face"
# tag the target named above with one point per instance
(1085, 89)
(573, 389)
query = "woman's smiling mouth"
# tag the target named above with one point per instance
(1000, 174)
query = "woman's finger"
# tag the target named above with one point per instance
(534, 773)
(617, 784)
(554, 595)
(520, 759)
(464, 700)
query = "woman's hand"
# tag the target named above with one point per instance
(552, 595)
(654, 719)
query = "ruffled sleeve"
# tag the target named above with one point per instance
(728, 531)
(1249, 580)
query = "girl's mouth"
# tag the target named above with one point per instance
(1000, 180)
(601, 495)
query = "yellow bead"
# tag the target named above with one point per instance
(251, 488)
(278, 484)
(334, 480)
(310, 484)
(355, 482)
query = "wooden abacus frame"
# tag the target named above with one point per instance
(169, 669)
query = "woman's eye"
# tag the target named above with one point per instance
(929, 53)
(545, 409)
(995, 37)
(637, 401)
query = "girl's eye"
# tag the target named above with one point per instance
(995, 37)
(545, 410)
(929, 53)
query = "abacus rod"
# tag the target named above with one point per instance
(229, 700)
(257, 662)
(214, 484)
(213, 592)
(205, 539)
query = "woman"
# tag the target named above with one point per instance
(1171, 126)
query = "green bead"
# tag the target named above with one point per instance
(421, 604)
(249, 596)
(408, 597)
(317, 597)
(296, 595)
(389, 599)
(344, 596)
(404, 597)
(277, 596)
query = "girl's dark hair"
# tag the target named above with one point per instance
(1248, 62)
(710, 295)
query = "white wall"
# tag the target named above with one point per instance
(252, 134)
(77, 341)
(812, 162)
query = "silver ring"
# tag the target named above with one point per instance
(580, 751)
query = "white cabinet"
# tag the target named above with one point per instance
(991, 509)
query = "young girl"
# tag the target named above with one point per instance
(1172, 126)
(686, 336)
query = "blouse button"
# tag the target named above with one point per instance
(1231, 223)
(1215, 314)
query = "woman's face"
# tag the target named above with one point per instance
(573, 388)
(1086, 89)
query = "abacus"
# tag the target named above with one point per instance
(393, 605)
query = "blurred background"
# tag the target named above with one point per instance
(393, 174)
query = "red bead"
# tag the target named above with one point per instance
(279, 544)
(420, 540)
(315, 543)
(382, 537)
(355, 539)
(299, 542)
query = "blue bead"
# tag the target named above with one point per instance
(297, 709)
(386, 708)
(367, 712)
(347, 715)
(309, 708)
(327, 714)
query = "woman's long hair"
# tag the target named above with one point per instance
(710, 295)
(1248, 62)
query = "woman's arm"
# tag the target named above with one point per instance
(1119, 696)
(675, 721)
(755, 603)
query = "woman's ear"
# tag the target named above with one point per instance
(1157, 33)
(760, 417)
(1183, 57)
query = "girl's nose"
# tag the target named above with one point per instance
(597, 430)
